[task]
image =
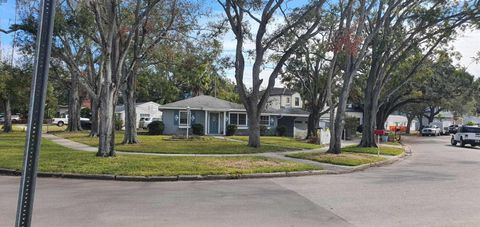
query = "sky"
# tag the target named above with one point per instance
(467, 44)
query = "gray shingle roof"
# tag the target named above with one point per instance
(289, 111)
(280, 91)
(203, 102)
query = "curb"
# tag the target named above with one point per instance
(10, 172)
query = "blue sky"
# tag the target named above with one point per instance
(7, 12)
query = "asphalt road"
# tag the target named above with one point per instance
(438, 186)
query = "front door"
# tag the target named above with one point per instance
(213, 124)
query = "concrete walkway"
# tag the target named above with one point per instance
(278, 155)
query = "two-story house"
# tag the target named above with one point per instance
(284, 98)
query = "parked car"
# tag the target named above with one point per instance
(64, 120)
(431, 130)
(145, 121)
(452, 129)
(15, 118)
(466, 135)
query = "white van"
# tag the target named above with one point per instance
(467, 135)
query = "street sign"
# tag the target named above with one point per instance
(35, 114)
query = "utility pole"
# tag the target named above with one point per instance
(35, 114)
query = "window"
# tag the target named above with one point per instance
(297, 101)
(239, 119)
(144, 115)
(288, 100)
(183, 120)
(264, 120)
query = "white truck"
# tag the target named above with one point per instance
(431, 130)
(443, 126)
(61, 121)
(466, 135)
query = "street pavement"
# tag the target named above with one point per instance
(439, 185)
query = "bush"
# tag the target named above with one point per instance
(156, 128)
(471, 123)
(263, 130)
(118, 124)
(231, 129)
(314, 140)
(198, 129)
(281, 130)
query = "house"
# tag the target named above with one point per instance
(215, 114)
(284, 98)
(143, 110)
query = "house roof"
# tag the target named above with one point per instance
(287, 111)
(121, 108)
(206, 102)
(280, 91)
(203, 102)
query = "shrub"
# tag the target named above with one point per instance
(118, 124)
(156, 128)
(198, 129)
(471, 123)
(314, 140)
(281, 130)
(231, 129)
(263, 130)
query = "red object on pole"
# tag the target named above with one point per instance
(380, 132)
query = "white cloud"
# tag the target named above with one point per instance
(468, 44)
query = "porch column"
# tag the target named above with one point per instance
(206, 122)
(224, 123)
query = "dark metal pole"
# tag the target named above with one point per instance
(35, 114)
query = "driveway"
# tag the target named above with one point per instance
(438, 185)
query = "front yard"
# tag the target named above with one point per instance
(199, 145)
(281, 141)
(55, 158)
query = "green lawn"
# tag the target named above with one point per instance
(384, 150)
(203, 145)
(345, 158)
(55, 158)
(281, 141)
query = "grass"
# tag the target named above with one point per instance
(345, 158)
(55, 158)
(45, 128)
(205, 145)
(281, 141)
(384, 150)
(393, 143)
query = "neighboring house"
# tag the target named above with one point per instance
(215, 114)
(146, 109)
(395, 120)
(284, 98)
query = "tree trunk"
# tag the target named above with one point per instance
(335, 139)
(420, 118)
(381, 119)
(253, 129)
(94, 118)
(130, 136)
(409, 122)
(370, 110)
(7, 125)
(313, 121)
(74, 105)
(107, 119)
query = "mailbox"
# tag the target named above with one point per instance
(380, 132)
